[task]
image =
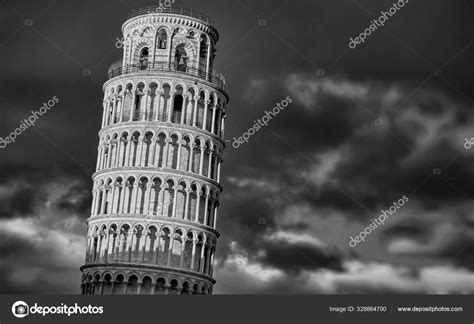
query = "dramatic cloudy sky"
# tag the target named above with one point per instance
(366, 127)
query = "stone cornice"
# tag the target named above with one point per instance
(166, 19)
(157, 125)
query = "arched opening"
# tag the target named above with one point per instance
(160, 286)
(152, 244)
(196, 156)
(181, 58)
(128, 100)
(118, 285)
(95, 289)
(99, 202)
(196, 289)
(142, 191)
(117, 199)
(106, 156)
(188, 251)
(89, 289)
(185, 289)
(190, 106)
(137, 105)
(153, 113)
(102, 242)
(164, 246)
(163, 113)
(177, 249)
(132, 285)
(122, 246)
(146, 154)
(202, 205)
(181, 200)
(173, 152)
(108, 197)
(162, 39)
(168, 199)
(174, 287)
(185, 152)
(137, 244)
(192, 203)
(200, 110)
(177, 109)
(113, 233)
(203, 56)
(203, 48)
(206, 260)
(123, 143)
(218, 114)
(114, 144)
(146, 286)
(157, 206)
(94, 252)
(119, 107)
(107, 290)
(210, 220)
(134, 148)
(143, 59)
(207, 154)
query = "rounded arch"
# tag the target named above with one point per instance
(195, 289)
(147, 31)
(160, 285)
(185, 290)
(146, 285)
(174, 284)
(120, 276)
(132, 284)
(119, 284)
(142, 43)
(162, 38)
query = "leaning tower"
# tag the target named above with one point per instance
(156, 189)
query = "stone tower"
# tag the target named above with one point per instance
(156, 189)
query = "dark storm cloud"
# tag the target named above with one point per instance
(296, 257)
(385, 159)
(11, 245)
(77, 199)
(21, 193)
(241, 223)
(460, 252)
(47, 239)
(19, 190)
(26, 267)
(415, 229)
(452, 246)
(381, 165)
(19, 203)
